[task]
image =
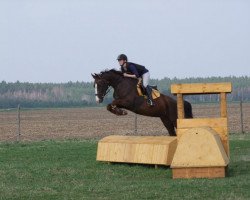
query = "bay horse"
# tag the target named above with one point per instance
(126, 97)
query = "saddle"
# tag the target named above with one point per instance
(141, 91)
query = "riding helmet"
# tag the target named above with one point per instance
(122, 57)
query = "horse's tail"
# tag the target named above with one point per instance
(188, 110)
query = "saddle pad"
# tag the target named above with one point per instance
(155, 93)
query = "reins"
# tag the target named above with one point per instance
(108, 90)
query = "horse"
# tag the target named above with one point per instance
(126, 97)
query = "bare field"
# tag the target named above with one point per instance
(98, 122)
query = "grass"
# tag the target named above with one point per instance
(68, 170)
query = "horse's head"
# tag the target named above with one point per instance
(101, 86)
(104, 80)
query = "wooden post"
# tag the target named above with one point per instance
(18, 123)
(180, 106)
(135, 127)
(223, 104)
(241, 118)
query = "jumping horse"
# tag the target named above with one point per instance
(126, 97)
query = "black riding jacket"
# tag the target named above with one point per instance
(135, 69)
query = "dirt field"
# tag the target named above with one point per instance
(98, 122)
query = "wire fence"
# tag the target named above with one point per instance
(42, 124)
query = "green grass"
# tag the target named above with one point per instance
(68, 170)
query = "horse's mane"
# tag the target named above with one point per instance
(112, 71)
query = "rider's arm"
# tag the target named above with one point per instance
(134, 72)
(129, 75)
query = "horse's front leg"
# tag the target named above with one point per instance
(116, 110)
(115, 107)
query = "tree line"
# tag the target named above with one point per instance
(81, 94)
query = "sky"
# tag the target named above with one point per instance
(67, 40)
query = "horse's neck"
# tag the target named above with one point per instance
(115, 80)
(124, 87)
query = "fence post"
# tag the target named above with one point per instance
(18, 123)
(241, 118)
(135, 127)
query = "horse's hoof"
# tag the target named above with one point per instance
(121, 112)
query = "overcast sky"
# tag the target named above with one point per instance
(67, 40)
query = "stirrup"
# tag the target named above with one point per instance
(150, 102)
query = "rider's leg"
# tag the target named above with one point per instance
(145, 81)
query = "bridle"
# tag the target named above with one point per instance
(107, 91)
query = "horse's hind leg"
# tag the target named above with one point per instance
(188, 110)
(169, 125)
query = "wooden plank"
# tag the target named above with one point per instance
(158, 156)
(222, 131)
(180, 106)
(171, 151)
(119, 151)
(223, 104)
(111, 152)
(157, 150)
(144, 154)
(129, 153)
(201, 88)
(205, 172)
(200, 122)
(138, 139)
(101, 154)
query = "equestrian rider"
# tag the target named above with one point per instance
(136, 71)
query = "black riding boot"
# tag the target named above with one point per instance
(149, 95)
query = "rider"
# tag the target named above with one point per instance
(137, 71)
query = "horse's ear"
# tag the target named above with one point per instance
(95, 76)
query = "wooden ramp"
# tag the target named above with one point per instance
(200, 154)
(157, 150)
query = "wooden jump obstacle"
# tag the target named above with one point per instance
(200, 150)
(156, 150)
(203, 147)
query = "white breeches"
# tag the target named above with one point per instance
(145, 79)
